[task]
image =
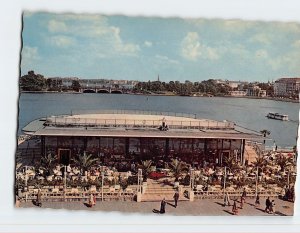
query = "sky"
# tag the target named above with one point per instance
(141, 48)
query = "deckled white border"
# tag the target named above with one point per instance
(10, 44)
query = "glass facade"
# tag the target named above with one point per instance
(193, 151)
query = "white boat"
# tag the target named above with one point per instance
(278, 116)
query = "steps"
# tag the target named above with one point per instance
(156, 191)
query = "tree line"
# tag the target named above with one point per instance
(210, 86)
(37, 82)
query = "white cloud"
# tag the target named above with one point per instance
(289, 62)
(62, 41)
(166, 59)
(57, 26)
(30, 57)
(262, 38)
(192, 49)
(119, 45)
(148, 43)
(190, 46)
(29, 53)
(101, 37)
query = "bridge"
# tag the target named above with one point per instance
(101, 90)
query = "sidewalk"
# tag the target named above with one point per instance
(212, 207)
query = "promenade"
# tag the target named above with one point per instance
(211, 207)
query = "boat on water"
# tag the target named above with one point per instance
(278, 116)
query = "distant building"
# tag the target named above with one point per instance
(256, 91)
(238, 93)
(287, 87)
(236, 85)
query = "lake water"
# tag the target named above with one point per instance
(249, 113)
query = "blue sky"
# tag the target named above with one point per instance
(140, 48)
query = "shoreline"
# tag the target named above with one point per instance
(245, 97)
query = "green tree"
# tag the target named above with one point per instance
(231, 163)
(75, 85)
(283, 162)
(146, 168)
(85, 161)
(177, 167)
(47, 163)
(32, 82)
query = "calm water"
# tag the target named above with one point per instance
(249, 113)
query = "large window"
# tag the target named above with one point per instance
(134, 146)
(92, 145)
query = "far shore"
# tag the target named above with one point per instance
(171, 94)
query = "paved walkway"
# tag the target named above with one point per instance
(196, 208)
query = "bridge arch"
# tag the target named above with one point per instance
(89, 91)
(103, 91)
(116, 92)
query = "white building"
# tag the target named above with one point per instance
(256, 91)
(287, 87)
(238, 93)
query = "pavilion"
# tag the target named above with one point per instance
(117, 137)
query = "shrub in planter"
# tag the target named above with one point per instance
(132, 180)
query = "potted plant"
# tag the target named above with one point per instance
(177, 167)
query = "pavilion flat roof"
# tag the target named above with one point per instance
(130, 125)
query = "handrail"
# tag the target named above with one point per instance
(62, 121)
(135, 111)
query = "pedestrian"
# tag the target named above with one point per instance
(176, 197)
(244, 194)
(268, 204)
(242, 202)
(91, 201)
(226, 199)
(39, 198)
(272, 207)
(235, 210)
(163, 206)
(94, 196)
(257, 202)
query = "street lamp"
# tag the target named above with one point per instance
(26, 188)
(65, 181)
(102, 181)
(256, 182)
(140, 177)
(192, 178)
(224, 182)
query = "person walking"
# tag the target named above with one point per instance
(268, 204)
(235, 210)
(227, 199)
(257, 201)
(244, 194)
(91, 201)
(176, 197)
(39, 198)
(272, 207)
(163, 206)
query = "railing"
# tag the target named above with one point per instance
(135, 112)
(79, 195)
(61, 121)
(233, 194)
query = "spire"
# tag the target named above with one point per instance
(158, 78)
